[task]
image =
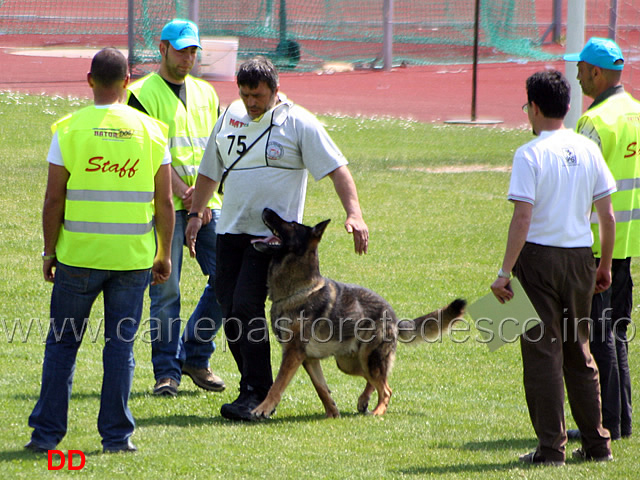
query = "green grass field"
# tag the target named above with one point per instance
(437, 233)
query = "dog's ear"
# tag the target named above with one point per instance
(318, 230)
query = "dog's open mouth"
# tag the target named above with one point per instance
(270, 244)
(272, 241)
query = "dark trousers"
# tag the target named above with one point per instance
(241, 287)
(559, 283)
(611, 314)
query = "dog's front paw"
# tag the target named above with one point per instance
(363, 404)
(262, 411)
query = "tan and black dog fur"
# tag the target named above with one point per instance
(315, 317)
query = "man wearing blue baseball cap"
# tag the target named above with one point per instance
(600, 52)
(189, 106)
(181, 34)
(613, 122)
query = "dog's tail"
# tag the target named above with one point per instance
(431, 326)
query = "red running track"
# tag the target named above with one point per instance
(426, 94)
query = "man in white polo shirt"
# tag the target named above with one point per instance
(556, 178)
(261, 150)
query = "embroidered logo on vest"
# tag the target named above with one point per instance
(275, 151)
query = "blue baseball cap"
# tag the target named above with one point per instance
(601, 52)
(181, 34)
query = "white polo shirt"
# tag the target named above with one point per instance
(273, 172)
(560, 173)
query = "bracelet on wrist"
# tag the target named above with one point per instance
(191, 215)
(48, 257)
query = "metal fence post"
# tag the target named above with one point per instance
(387, 35)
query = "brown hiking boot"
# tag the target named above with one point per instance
(204, 378)
(166, 386)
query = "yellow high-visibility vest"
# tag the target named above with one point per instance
(617, 121)
(112, 155)
(189, 128)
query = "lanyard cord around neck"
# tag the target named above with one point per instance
(226, 172)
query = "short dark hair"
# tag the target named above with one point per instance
(108, 67)
(255, 70)
(551, 91)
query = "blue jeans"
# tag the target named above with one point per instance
(169, 350)
(74, 291)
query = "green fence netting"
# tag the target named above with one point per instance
(301, 34)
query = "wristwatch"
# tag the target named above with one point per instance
(194, 215)
(48, 257)
(503, 274)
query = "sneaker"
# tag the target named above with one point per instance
(580, 454)
(166, 386)
(240, 408)
(535, 458)
(125, 447)
(204, 378)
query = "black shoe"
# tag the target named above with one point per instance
(580, 454)
(535, 458)
(125, 447)
(573, 434)
(35, 448)
(240, 408)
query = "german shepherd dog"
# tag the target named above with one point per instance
(314, 317)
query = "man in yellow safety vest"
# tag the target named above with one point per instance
(189, 106)
(109, 182)
(613, 122)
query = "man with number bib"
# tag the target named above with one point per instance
(261, 150)
(109, 182)
(190, 107)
